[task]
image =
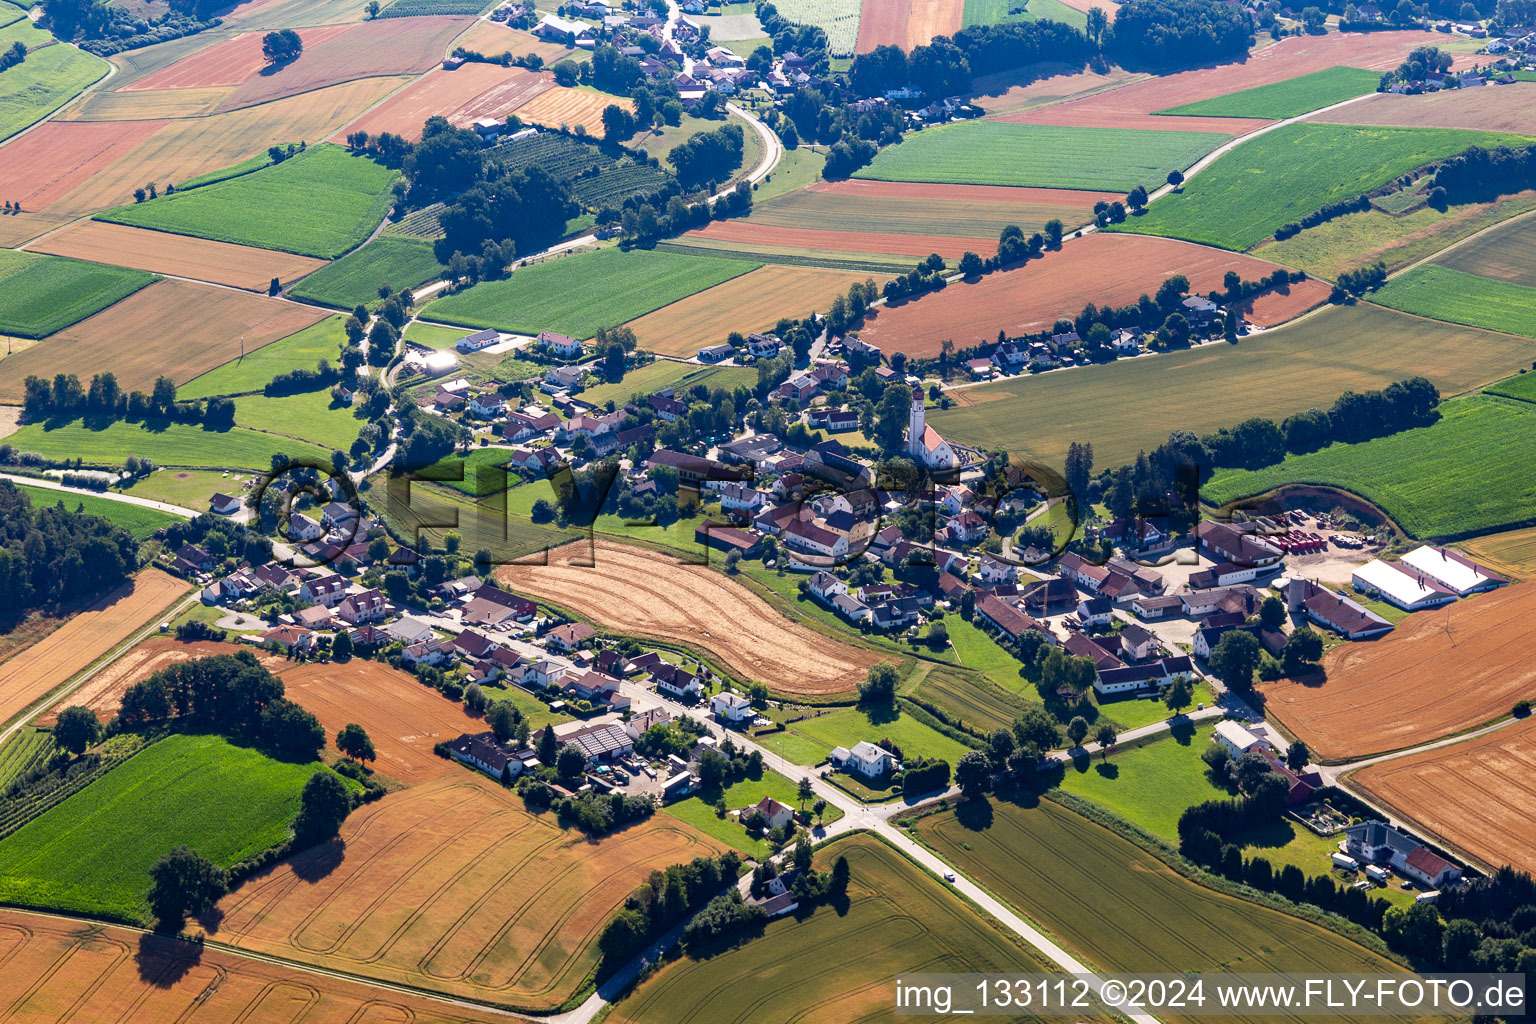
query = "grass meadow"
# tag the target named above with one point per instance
(665, 373)
(395, 260)
(810, 740)
(42, 294)
(136, 519)
(42, 83)
(1461, 298)
(169, 444)
(299, 351)
(1290, 98)
(699, 810)
(311, 416)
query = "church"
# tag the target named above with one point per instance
(924, 444)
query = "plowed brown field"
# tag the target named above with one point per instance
(570, 107)
(1475, 796)
(1107, 269)
(240, 266)
(103, 692)
(874, 243)
(445, 93)
(60, 969)
(1439, 673)
(452, 887)
(404, 719)
(54, 159)
(907, 23)
(228, 63)
(32, 673)
(172, 327)
(1505, 108)
(635, 590)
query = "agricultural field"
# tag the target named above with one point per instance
(909, 23)
(449, 93)
(809, 741)
(104, 973)
(34, 672)
(172, 327)
(45, 81)
(1461, 298)
(760, 254)
(1443, 480)
(92, 853)
(319, 203)
(52, 160)
(301, 350)
(355, 278)
(639, 592)
(167, 443)
(136, 519)
(1103, 268)
(1290, 98)
(1390, 694)
(224, 65)
(1002, 153)
(1150, 785)
(1511, 553)
(1471, 795)
(839, 19)
(563, 107)
(1506, 108)
(1280, 177)
(43, 294)
(485, 472)
(452, 887)
(123, 107)
(1119, 908)
(310, 416)
(576, 295)
(493, 39)
(1291, 370)
(898, 917)
(573, 161)
(751, 302)
(239, 266)
(664, 373)
(998, 12)
(1507, 253)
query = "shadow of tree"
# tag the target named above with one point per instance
(975, 814)
(163, 960)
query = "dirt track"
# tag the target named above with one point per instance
(634, 590)
(1440, 672)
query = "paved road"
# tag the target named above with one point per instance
(127, 499)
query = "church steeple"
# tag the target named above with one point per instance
(915, 427)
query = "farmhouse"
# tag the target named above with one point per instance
(1152, 674)
(776, 815)
(1380, 843)
(481, 751)
(1409, 590)
(728, 538)
(1007, 619)
(1349, 619)
(1238, 544)
(569, 636)
(223, 505)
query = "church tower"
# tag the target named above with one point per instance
(915, 428)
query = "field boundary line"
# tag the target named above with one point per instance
(1458, 244)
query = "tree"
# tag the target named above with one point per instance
(891, 416)
(1175, 178)
(971, 264)
(973, 773)
(1302, 650)
(282, 46)
(1180, 695)
(372, 9)
(184, 882)
(1078, 469)
(1097, 23)
(1235, 658)
(353, 741)
(819, 808)
(712, 770)
(503, 717)
(1136, 199)
(938, 635)
(324, 804)
(879, 687)
(570, 763)
(1077, 730)
(1297, 756)
(549, 747)
(76, 729)
(806, 791)
(1106, 737)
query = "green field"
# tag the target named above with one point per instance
(301, 351)
(1278, 373)
(42, 83)
(576, 295)
(1121, 909)
(1151, 785)
(255, 163)
(169, 444)
(699, 810)
(1448, 479)
(809, 741)
(1290, 98)
(475, 484)
(1521, 386)
(310, 416)
(664, 373)
(1000, 153)
(26, 749)
(1281, 176)
(23, 31)
(1445, 294)
(838, 960)
(92, 853)
(321, 203)
(42, 294)
(433, 335)
(997, 12)
(136, 519)
(395, 260)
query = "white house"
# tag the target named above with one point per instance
(731, 707)
(304, 528)
(777, 815)
(328, 590)
(812, 539)
(477, 341)
(742, 498)
(224, 504)
(1237, 739)
(868, 760)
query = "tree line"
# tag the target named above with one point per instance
(52, 555)
(66, 397)
(661, 902)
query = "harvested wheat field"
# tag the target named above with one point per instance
(172, 327)
(751, 302)
(36, 671)
(228, 63)
(452, 887)
(750, 232)
(442, 93)
(492, 38)
(1039, 85)
(639, 591)
(1440, 672)
(1135, 106)
(907, 23)
(391, 46)
(133, 106)
(54, 159)
(239, 266)
(404, 719)
(1476, 796)
(562, 107)
(61, 969)
(1105, 269)
(500, 100)
(1511, 553)
(1503, 108)
(103, 692)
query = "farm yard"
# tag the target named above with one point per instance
(1443, 480)
(1289, 98)
(640, 592)
(1390, 694)
(578, 294)
(32, 673)
(1507, 253)
(1505, 108)
(1109, 270)
(40, 295)
(105, 973)
(1002, 153)
(898, 917)
(239, 266)
(1461, 298)
(91, 853)
(452, 887)
(355, 278)
(172, 327)
(320, 203)
(1282, 176)
(754, 301)
(1291, 370)
(299, 351)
